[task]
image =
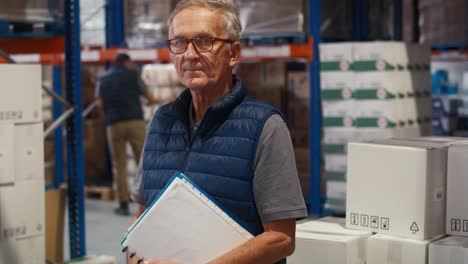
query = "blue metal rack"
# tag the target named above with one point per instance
(315, 201)
(74, 128)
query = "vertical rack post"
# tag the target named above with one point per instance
(58, 133)
(74, 127)
(398, 20)
(314, 200)
(360, 20)
(114, 24)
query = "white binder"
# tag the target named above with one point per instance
(185, 225)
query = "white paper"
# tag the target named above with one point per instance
(185, 226)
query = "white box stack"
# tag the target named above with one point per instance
(338, 106)
(22, 197)
(371, 90)
(384, 249)
(397, 188)
(457, 187)
(327, 241)
(450, 250)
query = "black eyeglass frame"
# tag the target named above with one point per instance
(190, 40)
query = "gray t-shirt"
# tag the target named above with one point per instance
(276, 186)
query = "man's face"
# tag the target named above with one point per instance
(201, 70)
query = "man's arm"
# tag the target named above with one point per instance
(276, 243)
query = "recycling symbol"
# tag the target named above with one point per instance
(414, 227)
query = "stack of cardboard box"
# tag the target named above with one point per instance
(370, 90)
(411, 192)
(22, 220)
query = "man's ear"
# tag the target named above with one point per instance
(235, 53)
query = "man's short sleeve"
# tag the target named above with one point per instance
(277, 190)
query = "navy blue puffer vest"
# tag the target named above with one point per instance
(221, 157)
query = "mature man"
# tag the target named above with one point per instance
(236, 148)
(119, 90)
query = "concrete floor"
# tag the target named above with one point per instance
(104, 230)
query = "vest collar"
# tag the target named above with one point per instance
(217, 113)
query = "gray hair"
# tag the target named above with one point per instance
(226, 8)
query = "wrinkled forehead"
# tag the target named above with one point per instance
(197, 20)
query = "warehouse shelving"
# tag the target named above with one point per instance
(50, 51)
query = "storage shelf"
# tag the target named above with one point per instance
(250, 53)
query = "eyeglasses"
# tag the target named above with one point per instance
(201, 44)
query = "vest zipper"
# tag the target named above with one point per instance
(189, 147)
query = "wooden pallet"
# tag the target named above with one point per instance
(99, 192)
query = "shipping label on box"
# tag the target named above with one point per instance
(7, 150)
(29, 152)
(23, 209)
(449, 250)
(21, 98)
(397, 189)
(384, 249)
(457, 188)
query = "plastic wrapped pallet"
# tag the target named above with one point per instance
(31, 11)
(146, 22)
(443, 22)
(271, 17)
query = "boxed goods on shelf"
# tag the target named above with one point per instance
(326, 241)
(385, 249)
(451, 249)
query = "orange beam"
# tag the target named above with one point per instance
(33, 45)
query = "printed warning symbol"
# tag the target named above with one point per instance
(374, 222)
(414, 227)
(456, 225)
(385, 223)
(354, 219)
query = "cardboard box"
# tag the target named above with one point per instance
(29, 152)
(384, 249)
(397, 189)
(7, 170)
(20, 100)
(449, 250)
(335, 162)
(336, 56)
(22, 210)
(457, 187)
(336, 189)
(328, 242)
(383, 55)
(55, 218)
(28, 250)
